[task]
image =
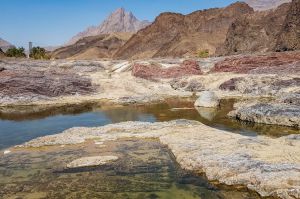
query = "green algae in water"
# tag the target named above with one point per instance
(145, 169)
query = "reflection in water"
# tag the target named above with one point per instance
(145, 169)
(207, 113)
(26, 124)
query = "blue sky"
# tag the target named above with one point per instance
(53, 22)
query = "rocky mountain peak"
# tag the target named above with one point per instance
(118, 21)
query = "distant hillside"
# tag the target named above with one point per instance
(265, 4)
(271, 30)
(177, 35)
(4, 45)
(1, 53)
(93, 47)
(118, 21)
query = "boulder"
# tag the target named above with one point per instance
(207, 99)
(268, 113)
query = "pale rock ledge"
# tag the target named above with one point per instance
(270, 166)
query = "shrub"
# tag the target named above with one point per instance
(203, 54)
(15, 52)
(38, 53)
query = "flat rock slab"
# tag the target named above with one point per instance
(271, 113)
(91, 161)
(270, 166)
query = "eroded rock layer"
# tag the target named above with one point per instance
(272, 63)
(31, 85)
(187, 68)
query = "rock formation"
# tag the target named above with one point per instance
(177, 35)
(271, 30)
(207, 99)
(93, 47)
(265, 4)
(266, 165)
(32, 85)
(118, 21)
(269, 63)
(4, 45)
(289, 37)
(268, 113)
(153, 71)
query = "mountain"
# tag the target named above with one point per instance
(177, 35)
(93, 47)
(4, 45)
(271, 30)
(265, 4)
(118, 21)
(289, 36)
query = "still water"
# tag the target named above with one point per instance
(21, 127)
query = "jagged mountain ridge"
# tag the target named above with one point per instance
(93, 47)
(118, 22)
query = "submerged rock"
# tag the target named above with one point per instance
(207, 99)
(91, 161)
(263, 164)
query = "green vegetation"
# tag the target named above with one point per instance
(203, 53)
(1, 51)
(38, 53)
(15, 52)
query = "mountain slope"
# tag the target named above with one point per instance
(92, 47)
(1, 53)
(264, 31)
(118, 21)
(177, 35)
(265, 4)
(289, 38)
(4, 45)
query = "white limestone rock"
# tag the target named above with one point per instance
(207, 99)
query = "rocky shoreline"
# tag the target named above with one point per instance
(60, 83)
(262, 164)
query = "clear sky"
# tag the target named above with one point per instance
(53, 22)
